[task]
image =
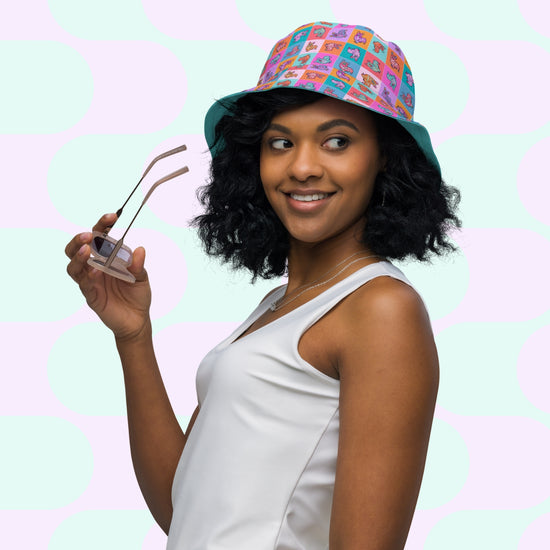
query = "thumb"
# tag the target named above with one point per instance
(137, 266)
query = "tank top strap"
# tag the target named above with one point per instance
(310, 312)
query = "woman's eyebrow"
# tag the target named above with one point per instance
(279, 128)
(321, 128)
(336, 122)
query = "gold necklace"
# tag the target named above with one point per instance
(283, 301)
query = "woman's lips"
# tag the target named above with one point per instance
(308, 198)
(307, 201)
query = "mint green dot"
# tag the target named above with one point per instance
(35, 264)
(280, 19)
(46, 87)
(85, 373)
(102, 19)
(447, 466)
(484, 167)
(478, 368)
(441, 83)
(46, 462)
(442, 283)
(231, 296)
(475, 20)
(479, 530)
(102, 529)
(92, 175)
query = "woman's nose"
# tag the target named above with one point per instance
(305, 163)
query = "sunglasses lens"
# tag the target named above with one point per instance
(104, 248)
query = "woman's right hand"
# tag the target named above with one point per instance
(122, 306)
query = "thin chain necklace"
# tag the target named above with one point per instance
(283, 301)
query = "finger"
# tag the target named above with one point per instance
(137, 266)
(105, 222)
(78, 264)
(76, 242)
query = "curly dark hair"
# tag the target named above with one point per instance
(410, 212)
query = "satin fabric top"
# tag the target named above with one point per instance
(257, 471)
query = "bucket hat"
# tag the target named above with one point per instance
(347, 62)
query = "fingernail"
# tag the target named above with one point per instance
(82, 250)
(85, 236)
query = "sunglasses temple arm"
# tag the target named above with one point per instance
(113, 254)
(120, 242)
(147, 170)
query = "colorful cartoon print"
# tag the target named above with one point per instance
(363, 68)
(341, 33)
(354, 53)
(330, 46)
(374, 66)
(330, 92)
(407, 99)
(337, 83)
(393, 62)
(359, 38)
(386, 96)
(319, 32)
(300, 35)
(311, 75)
(369, 81)
(292, 52)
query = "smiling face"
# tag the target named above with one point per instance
(318, 164)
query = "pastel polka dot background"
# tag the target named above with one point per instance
(93, 90)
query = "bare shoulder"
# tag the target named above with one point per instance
(384, 297)
(383, 310)
(385, 339)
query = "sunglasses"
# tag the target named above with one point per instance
(112, 256)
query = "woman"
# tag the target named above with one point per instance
(314, 415)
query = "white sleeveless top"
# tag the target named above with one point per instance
(257, 471)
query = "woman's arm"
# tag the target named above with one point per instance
(389, 377)
(156, 438)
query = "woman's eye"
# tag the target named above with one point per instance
(336, 143)
(280, 143)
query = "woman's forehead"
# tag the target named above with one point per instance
(324, 110)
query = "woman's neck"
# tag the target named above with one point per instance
(309, 262)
